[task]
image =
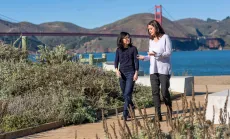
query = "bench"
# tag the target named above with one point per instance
(217, 100)
(178, 84)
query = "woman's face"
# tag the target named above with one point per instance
(126, 40)
(152, 30)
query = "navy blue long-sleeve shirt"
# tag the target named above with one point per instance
(127, 58)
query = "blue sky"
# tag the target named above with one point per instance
(95, 13)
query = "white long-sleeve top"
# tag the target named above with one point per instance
(161, 63)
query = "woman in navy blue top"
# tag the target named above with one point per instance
(127, 66)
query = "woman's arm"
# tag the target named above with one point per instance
(144, 58)
(136, 61)
(116, 61)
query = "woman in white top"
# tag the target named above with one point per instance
(160, 48)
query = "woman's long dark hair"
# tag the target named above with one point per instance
(120, 38)
(159, 30)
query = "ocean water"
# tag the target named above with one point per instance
(195, 63)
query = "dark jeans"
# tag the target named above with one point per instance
(127, 84)
(163, 80)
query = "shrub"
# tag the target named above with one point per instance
(8, 52)
(56, 88)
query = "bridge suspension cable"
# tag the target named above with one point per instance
(10, 20)
(181, 28)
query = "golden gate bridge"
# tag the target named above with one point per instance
(157, 16)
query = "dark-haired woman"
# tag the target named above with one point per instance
(127, 66)
(160, 48)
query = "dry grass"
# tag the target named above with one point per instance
(190, 124)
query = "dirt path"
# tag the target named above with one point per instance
(89, 131)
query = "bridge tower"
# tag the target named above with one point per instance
(158, 13)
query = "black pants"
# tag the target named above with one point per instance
(163, 80)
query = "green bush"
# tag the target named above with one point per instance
(15, 122)
(56, 88)
(55, 56)
(75, 110)
(8, 52)
(143, 96)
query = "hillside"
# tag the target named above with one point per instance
(61, 27)
(134, 24)
(210, 27)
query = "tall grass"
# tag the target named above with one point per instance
(190, 124)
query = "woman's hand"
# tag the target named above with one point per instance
(151, 53)
(135, 77)
(118, 73)
(140, 57)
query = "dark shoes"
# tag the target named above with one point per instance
(124, 118)
(169, 112)
(160, 118)
(127, 117)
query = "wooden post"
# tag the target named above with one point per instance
(91, 58)
(24, 43)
